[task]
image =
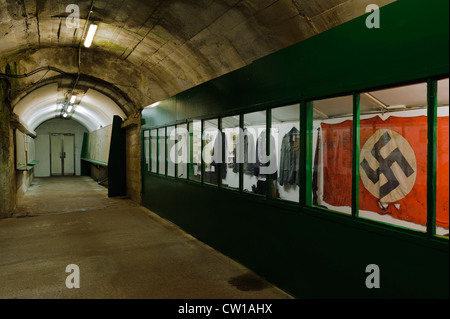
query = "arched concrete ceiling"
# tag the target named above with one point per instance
(153, 49)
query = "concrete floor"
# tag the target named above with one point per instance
(123, 251)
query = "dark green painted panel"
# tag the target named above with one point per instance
(164, 113)
(306, 254)
(215, 97)
(117, 160)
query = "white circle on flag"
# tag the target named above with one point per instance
(388, 167)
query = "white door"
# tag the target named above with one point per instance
(56, 155)
(43, 156)
(62, 154)
(69, 155)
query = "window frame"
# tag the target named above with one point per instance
(306, 156)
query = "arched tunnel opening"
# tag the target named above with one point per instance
(69, 126)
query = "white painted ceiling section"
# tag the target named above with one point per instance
(95, 110)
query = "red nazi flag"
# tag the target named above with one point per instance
(393, 167)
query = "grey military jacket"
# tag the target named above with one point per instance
(289, 172)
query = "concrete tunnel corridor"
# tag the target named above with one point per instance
(123, 251)
(111, 118)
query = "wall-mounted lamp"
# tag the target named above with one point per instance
(90, 35)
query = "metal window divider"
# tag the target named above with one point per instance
(191, 151)
(150, 152)
(220, 164)
(306, 165)
(143, 159)
(242, 159)
(202, 130)
(432, 97)
(269, 179)
(356, 153)
(150, 160)
(188, 150)
(166, 145)
(176, 151)
(157, 152)
(189, 156)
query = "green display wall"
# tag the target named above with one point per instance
(308, 252)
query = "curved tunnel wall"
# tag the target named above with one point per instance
(97, 104)
(155, 49)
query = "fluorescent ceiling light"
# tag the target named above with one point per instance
(155, 104)
(69, 109)
(90, 35)
(73, 99)
(65, 115)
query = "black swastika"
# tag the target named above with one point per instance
(385, 166)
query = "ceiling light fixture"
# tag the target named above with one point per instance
(73, 99)
(155, 104)
(69, 109)
(90, 35)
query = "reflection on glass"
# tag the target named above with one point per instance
(286, 133)
(255, 159)
(154, 147)
(442, 187)
(162, 151)
(231, 167)
(171, 158)
(195, 167)
(393, 158)
(147, 150)
(332, 154)
(182, 151)
(212, 151)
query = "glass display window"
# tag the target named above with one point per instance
(395, 171)
(230, 170)
(442, 183)
(332, 160)
(195, 166)
(147, 158)
(252, 152)
(171, 154)
(394, 156)
(154, 150)
(162, 151)
(182, 151)
(212, 151)
(286, 135)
